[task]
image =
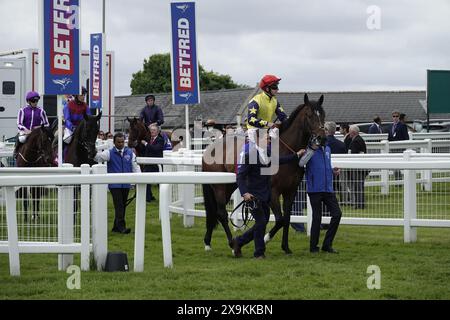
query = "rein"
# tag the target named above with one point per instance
(27, 161)
(286, 145)
(246, 217)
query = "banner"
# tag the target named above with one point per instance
(96, 59)
(185, 81)
(60, 46)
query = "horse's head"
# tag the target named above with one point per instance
(37, 151)
(306, 121)
(315, 119)
(138, 132)
(46, 144)
(88, 135)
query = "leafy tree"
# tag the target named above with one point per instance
(156, 77)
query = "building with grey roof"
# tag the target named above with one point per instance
(224, 105)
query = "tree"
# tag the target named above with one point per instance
(156, 77)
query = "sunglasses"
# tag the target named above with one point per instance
(395, 116)
(274, 87)
(34, 100)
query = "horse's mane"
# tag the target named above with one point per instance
(82, 125)
(36, 133)
(79, 129)
(286, 124)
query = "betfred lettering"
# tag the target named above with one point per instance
(61, 47)
(96, 71)
(185, 80)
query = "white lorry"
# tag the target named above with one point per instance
(19, 74)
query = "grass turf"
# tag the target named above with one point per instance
(408, 271)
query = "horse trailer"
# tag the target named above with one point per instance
(19, 73)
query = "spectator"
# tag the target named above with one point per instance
(151, 113)
(100, 138)
(398, 130)
(120, 159)
(358, 145)
(336, 146)
(152, 148)
(376, 126)
(344, 131)
(319, 177)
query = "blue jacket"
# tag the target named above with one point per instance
(249, 177)
(319, 173)
(119, 164)
(398, 132)
(375, 128)
(336, 146)
(152, 114)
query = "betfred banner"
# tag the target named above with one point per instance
(60, 46)
(185, 81)
(96, 59)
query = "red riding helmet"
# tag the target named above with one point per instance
(268, 80)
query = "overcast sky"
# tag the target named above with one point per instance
(322, 45)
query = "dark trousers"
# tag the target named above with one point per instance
(358, 178)
(329, 199)
(149, 194)
(120, 196)
(261, 215)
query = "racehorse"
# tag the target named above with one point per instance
(36, 152)
(139, 131)
(82, 147)
(305, 122)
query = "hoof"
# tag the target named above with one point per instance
(208, 248)
(287, 250)
(267, 238)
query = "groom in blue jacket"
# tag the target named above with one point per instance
(319, 186)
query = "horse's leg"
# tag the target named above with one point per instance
(288, 200)
(21, 196)
(35, 195)
(222, 212)
(209, 200)
(276, 209)
(76, 203)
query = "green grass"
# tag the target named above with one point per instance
(408, 271)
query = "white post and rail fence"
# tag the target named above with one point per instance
(183, 166)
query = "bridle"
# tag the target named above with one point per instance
(321, 126)
(41, 155)
(135, 142)
(86, 145)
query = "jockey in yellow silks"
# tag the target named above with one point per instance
(263, 107)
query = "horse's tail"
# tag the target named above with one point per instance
(210, 206)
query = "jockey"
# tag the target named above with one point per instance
(74, 111)
(263, 106)
(30, 116)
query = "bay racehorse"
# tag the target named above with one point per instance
(82, 148)
(305, 122)
(37, 151)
